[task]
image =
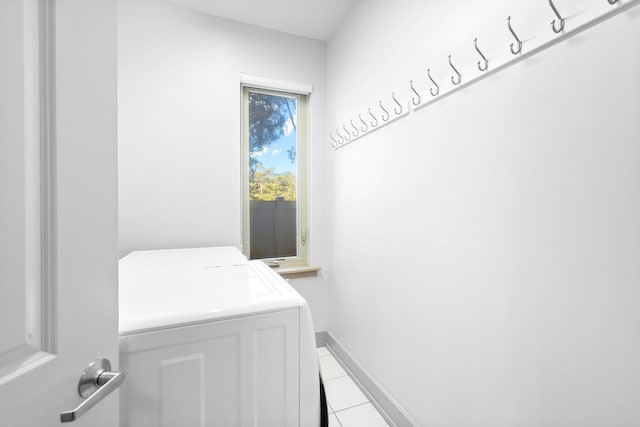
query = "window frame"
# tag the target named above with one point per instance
(302, 100)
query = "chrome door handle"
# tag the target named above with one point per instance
(96, 382)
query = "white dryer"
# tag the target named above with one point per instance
(208, 338)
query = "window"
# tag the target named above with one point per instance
(274, 175)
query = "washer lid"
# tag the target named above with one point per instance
(170, 288)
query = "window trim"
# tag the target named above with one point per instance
(302, 236)
(260, 82)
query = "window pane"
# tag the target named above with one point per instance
(272, 175)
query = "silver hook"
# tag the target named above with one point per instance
(335, 143)
(433, 81)
(395, 109)
(612, 1)
(517, 51)
(348, 135)
(340, 136)
(386, 112)
(413, 100)
(374, 123)
(365, 128)
(453, 79)
(560, 19)
(357, 132)
(486, 61)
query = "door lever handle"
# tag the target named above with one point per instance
(96, 382)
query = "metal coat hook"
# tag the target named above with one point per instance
(357, 132)
(453, 78)
(365, 128)
(612, 1)
(395, 109)
(486, 61)
(335, 143)
(516, 51)
(435, 84)
(348, 135)
(340, 136)
(385, 112)
(413, 100)
(375, 122)
(560, 19)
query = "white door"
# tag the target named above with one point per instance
(58, 206)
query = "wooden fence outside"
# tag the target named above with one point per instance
(273, 229)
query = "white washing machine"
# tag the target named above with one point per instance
(208, 338)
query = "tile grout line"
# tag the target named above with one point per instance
(336, 378)
(349, 407)
(346, 374)
(338, 419)
(354, 406)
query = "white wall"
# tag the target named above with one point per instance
(179, 128)
(484, 264)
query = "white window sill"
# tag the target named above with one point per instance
(297, 271)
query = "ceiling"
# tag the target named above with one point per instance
(315, 19)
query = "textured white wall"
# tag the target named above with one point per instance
(484, 250)
(179, 128)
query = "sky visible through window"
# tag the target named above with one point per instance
(277, 155)
(272, 147)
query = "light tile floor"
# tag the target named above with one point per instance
(348, 406)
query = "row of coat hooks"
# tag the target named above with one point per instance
(352, 130)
